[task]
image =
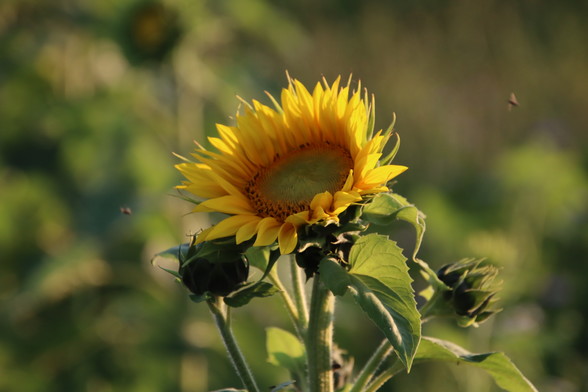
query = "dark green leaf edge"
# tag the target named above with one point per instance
(496, 364)
(244, 296)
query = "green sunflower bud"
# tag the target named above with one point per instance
(317, 242)
(470, 292)
(214, 267)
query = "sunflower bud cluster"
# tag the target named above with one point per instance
(329, 240)
(471, 290)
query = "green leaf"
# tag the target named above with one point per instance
(285, 350)
(379, 282)
(177, 253)
(262, 258)
(496, 364)
(387, 207)
(244, 296)
(230, 390)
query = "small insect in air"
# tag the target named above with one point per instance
(512, 102)
(126, 210)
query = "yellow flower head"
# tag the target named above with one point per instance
(301, 163)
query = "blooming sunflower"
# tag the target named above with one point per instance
(304, 162)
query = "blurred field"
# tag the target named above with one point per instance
(96, 95)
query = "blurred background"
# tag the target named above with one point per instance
(96, 95)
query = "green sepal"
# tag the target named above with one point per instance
(244, 296)
(390, 157)
(177, 253)
(200, 298)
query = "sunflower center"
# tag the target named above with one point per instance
(287, 186)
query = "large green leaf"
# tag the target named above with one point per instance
(498, 365)
(378, 280)
(285, 350)
(385, 208)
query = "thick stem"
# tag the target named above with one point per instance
(370, 368)
(319, 338)
(220, 313)
(299, 294)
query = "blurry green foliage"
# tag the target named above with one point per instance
(86, 128)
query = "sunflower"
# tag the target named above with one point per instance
(303, 162)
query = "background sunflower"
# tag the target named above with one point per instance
(85, 132)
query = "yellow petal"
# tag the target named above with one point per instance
(247, 231)
(197, 173)
(319, 214)
(220, 145)
(287, 238)
(267, 231)
(343, 200)
(299, 219)
(323, 200)
(234, 205)
(227, 186)
(366, 163)
(381, 175)
(349, 182)
(229, 226)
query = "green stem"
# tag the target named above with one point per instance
(290, 306)
(221, 317)
(319, 338)
(299, 294)
(370, 368)
(383, 377)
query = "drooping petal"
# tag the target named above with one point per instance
(247, 231)
(322, 200)
(229, 226)
(267, 231)
(287, 238)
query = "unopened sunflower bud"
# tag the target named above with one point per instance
(472, 290)
(218, 268)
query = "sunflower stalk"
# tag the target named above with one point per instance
(299, 294)
(221, 316)
(290, 305)
(319, 339)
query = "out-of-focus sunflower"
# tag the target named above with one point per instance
(304, 162)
